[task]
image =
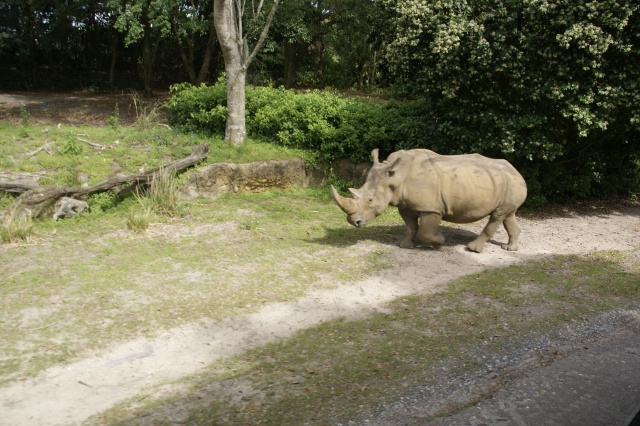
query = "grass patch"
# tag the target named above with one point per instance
(62, 153)
(15, 227)
(332, 372)
(138, 218)
(88, 282)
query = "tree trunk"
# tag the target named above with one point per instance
(149, 49)
(372, 70)
(206, 62)
(291, 60)
(187, 62)
(114, 58)
(235, 131)
(227, 18)
(147, 62)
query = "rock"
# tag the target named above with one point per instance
(69, 207)
(225, 178)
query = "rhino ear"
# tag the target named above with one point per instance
(374, 156)
(355, 193)
(393, 167)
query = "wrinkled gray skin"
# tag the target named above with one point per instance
(428, 187)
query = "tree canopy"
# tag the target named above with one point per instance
(550, 84)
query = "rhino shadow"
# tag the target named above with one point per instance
(388, 235)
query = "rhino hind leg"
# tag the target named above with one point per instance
(487, 233)
(513, 230)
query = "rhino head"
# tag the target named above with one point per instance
(373, 198)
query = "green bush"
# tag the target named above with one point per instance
(335, 127)
(326, 123)
(551, 86)
(198, 109)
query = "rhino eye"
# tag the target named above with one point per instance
(391, 173)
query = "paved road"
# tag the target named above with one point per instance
(593, 386)
(588, 376)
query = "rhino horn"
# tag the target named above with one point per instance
(355, 193)
(346, 204)
(374, 155)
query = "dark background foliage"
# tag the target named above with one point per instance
(550, 85)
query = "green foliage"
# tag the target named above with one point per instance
(335, 127)
(200, 109)
(103, 201)
(330, 125)
(114, 120)
(72, 146)
(553, 87)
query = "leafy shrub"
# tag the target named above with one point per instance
(328, 124)
(198, 109)
(335, 127)
(103, 201)
(72, 146)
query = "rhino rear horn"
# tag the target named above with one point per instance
(346, 204)
(355, 193)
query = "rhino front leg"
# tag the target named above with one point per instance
(428, 230)
(411, 220)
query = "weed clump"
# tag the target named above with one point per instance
(15, 226)
(161, 198)
(138, 219)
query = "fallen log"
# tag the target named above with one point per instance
(38, 200)
(17, 187)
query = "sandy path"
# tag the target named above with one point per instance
(69, 394)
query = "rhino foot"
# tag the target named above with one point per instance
(407, 244)
(475, 246)
(510, 247)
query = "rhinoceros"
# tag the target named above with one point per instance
(428, 187)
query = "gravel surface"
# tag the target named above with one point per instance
(586, 373)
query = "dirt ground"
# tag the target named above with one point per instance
(74, 107)
(69, 394)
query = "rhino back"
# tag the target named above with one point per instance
(462, 188)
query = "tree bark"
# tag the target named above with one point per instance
(235, 131)
(291, 61)
(227, 18)
(38, 199)
(114, 59)
(149, 49)
(206, 61)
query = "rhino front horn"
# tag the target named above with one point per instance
(374, 156)
(346, 204)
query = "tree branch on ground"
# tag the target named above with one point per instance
(38, 199)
